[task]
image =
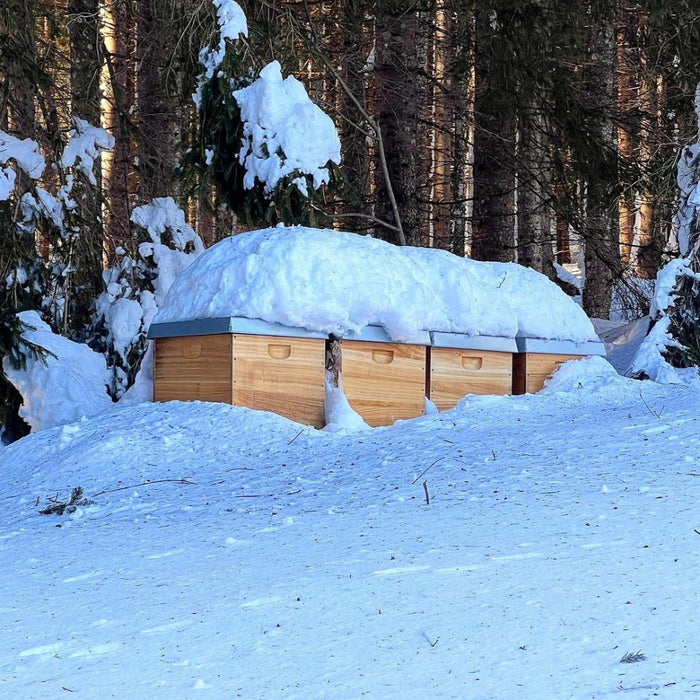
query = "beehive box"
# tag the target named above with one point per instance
(244, 362)
(537, 359)
(459, 365)
(383, 381)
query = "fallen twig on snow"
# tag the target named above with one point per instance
(651, 410)
(426, 469)
(145, 483)
(57, 507)
(427, 639)
(296, 436)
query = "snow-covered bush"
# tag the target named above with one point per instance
(30, 214)
(65, 384)
(674, 338)
(136, 286)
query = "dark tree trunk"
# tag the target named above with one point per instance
(600, 233)
(493, 219)
(356, 47)
(402, 95)
(159, 99)
(22, 68)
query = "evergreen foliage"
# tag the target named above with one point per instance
(214, 159)
(23, 279)
(684, 318)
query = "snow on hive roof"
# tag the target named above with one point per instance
(333, 282)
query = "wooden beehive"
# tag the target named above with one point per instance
(461, 365)
(537, 359)
(243, 362)
(383, 381)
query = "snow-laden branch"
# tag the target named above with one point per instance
(284, 132)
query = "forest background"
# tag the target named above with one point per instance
(522, 132)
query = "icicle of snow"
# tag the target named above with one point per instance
(340, 415)
(284, 131)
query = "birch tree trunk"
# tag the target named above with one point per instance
(534, 216)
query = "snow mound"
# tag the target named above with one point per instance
(333, 282)
(589, 373)
(69, 384)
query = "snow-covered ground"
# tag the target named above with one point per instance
(230, 553)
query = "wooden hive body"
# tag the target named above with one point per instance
(461, 365)
(538, 359)
(383, 381)
(283, 374)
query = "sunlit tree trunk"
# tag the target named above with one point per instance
(117, 117)
(627, 108)
(85, 63)
(462, 94)
(438, 215)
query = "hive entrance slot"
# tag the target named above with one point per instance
(279, 351)
(472, 363)
(383, 357)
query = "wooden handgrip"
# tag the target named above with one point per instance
(192, 352)
(383, 357)
(472, 363)
(279, 352)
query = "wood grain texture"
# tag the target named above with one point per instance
(194, 368)
(454, 373)
(384, 382)
(532, 369)
(283, 375)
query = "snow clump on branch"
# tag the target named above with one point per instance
(232, 24)
(284, 132)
